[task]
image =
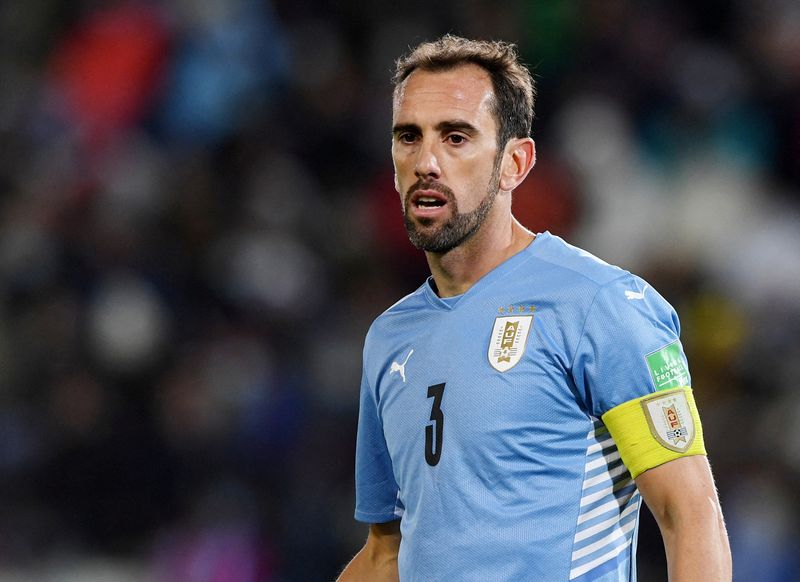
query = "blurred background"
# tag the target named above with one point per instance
(198, 224)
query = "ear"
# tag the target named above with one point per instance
(518, 159)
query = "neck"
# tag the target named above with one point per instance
(460, 268)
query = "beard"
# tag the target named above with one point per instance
(460, 227)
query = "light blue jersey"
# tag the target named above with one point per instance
(479, 423)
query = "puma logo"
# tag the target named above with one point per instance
(636, 294)
(401, 368)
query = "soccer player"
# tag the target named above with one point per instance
(517, 407)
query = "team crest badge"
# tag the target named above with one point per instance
(670, 420)
(507, 344)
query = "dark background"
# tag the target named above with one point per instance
(198, 224)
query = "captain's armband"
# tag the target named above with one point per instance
(654, 429)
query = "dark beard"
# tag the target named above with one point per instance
(460, 228)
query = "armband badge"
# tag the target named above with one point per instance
(670, 420)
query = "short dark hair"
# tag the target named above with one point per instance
(514, 88)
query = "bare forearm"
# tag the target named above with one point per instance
(683, 499)
(366, 566)
(377, 560)
(697, 545)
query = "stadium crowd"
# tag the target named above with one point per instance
(198, 224)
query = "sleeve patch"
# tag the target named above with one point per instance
(668, 367)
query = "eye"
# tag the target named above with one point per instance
(407, 138)
(456, 138)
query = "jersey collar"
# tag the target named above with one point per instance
(501, 270)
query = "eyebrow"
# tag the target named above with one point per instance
(442, 127)
(457, 125)
(405, 127)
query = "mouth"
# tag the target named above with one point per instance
(427, 203)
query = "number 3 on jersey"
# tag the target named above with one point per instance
(433, 446)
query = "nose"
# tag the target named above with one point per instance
(427, 165)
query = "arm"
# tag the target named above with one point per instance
(683, 499)
(377, 560)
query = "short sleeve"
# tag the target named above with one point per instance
(629, 346)
(376, 488)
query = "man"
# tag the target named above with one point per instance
(516, 408)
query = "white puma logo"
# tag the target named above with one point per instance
(635, 294)
(401, 367)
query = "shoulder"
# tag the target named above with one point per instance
(587, 284)
(573, 265)
(394, 319)
(410, 304)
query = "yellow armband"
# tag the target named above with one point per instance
(654, 429)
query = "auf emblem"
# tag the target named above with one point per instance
(507, 343)
(670, 419)
(676, 432)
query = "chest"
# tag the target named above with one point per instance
(473, 391)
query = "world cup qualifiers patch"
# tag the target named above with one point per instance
(668, 367)
(670, 420)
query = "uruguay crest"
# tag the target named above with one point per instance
(670, 420)
(508, 340)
